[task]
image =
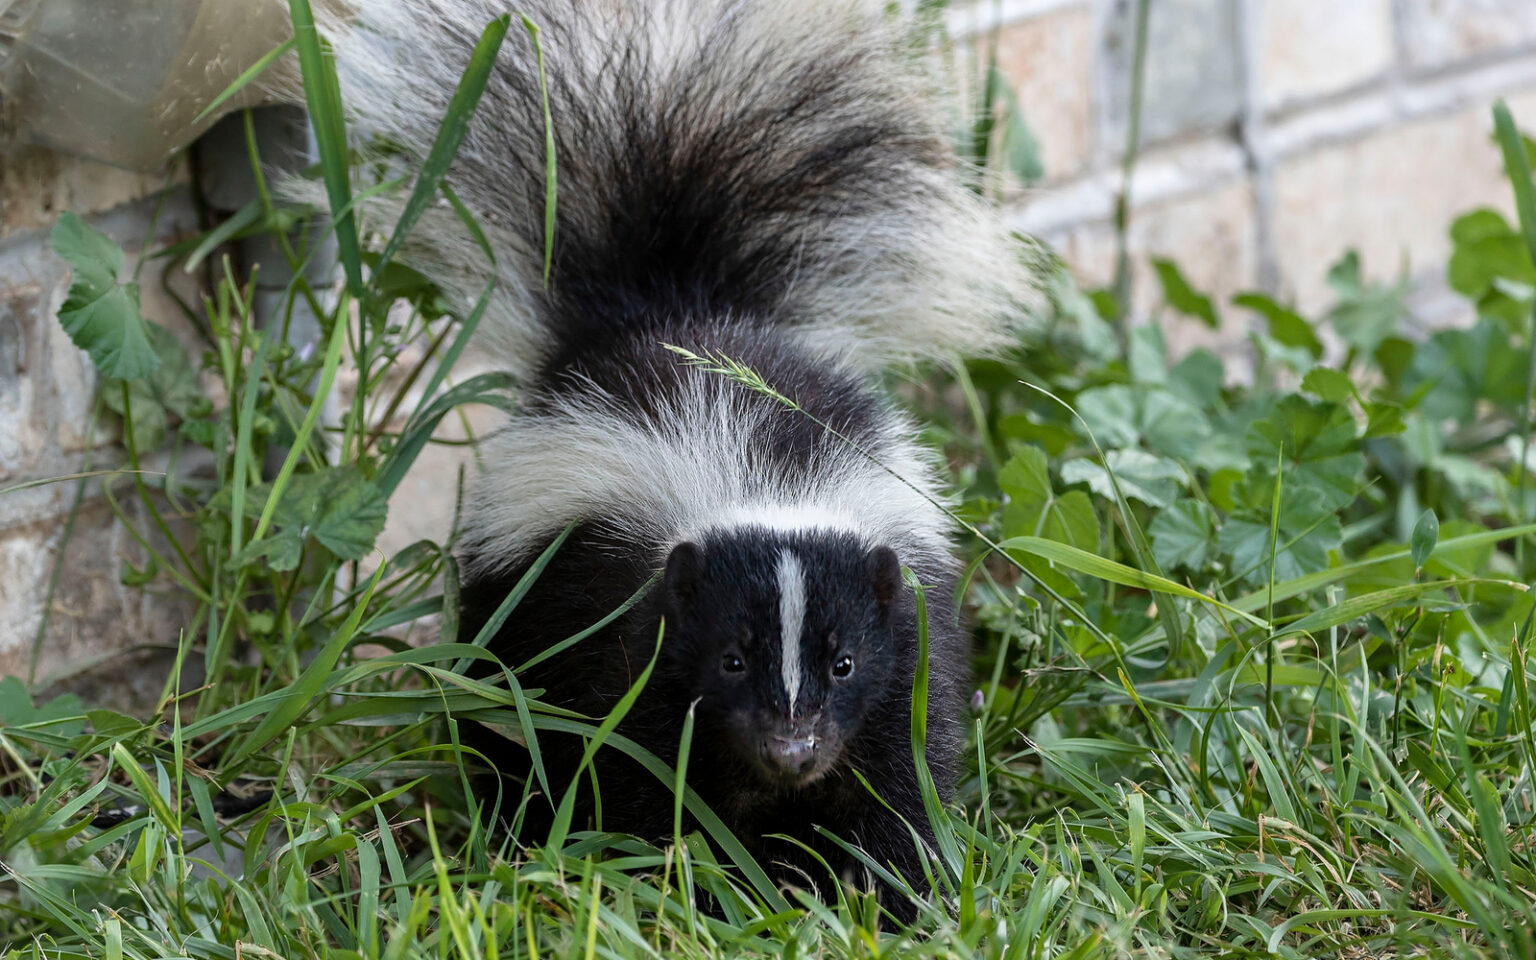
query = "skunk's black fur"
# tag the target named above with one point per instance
(764, 181)
(730, 604)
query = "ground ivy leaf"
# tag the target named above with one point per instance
(1124, 416)
(349, 522)
(1384, 419)
(1285, 325)
(1366, 313)
(1035, 510)
(172, 388)
(1459, 368)
(338, 507)
(1426, 533)
(1247, 543)
(1319, 443)
(1184, 535)
(1110, 412)
(1148, 355)
(101, 314)
(1155, 481)
(1181, 296)
(281, 549)
(1197, 378)
(1330, 385)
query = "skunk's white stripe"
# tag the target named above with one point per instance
(695, 467)
(791, 621)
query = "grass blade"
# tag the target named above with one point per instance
(322, 93)
(450, 135)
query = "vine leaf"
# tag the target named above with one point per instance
(101, 314)
(337, 507)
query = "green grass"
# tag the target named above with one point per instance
(1237, 694)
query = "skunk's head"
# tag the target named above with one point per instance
(787, 641)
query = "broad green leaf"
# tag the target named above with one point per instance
(1197, 378)
(338, 507)
(282, 549)
(101, 314)
(1147, 357)
(1285, 325)
(1383, 419)
(1486, 250)
(1181, 296)
(1111, 413)
(1164, 422)
(1365, 313)
(172, 388)
(1035, 509)
(1308, 530)
(1330, 385)
(1318, 443)
(1461, 368)
(1184, 536)
(1155, 481)
(1393, 355)
(1426, 533)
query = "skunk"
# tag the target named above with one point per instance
(767, 184)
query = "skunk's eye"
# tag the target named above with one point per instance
(843, 668)
(733, 663)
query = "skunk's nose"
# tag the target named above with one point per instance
(792, 755)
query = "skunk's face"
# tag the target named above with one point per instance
(788, 640)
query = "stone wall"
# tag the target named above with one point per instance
(47, 389)
(1278, 134)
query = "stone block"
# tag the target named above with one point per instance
(1311, 48)
(1048, 60)
(1193, 76)
(22, 414)
(36, 185)
(1211, 235)
(94, 618)
(26, 556)
(1391, 194)
(1438, 33)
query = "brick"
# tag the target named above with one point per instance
(1210, 235)
(1438, 33)
(1390, 194)
(1311, 48)
(1193, 79)
(1048, 60)
(36, 185)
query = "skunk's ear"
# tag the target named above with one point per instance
(885, 576)
(685, 570)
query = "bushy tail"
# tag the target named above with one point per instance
(774, 160)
